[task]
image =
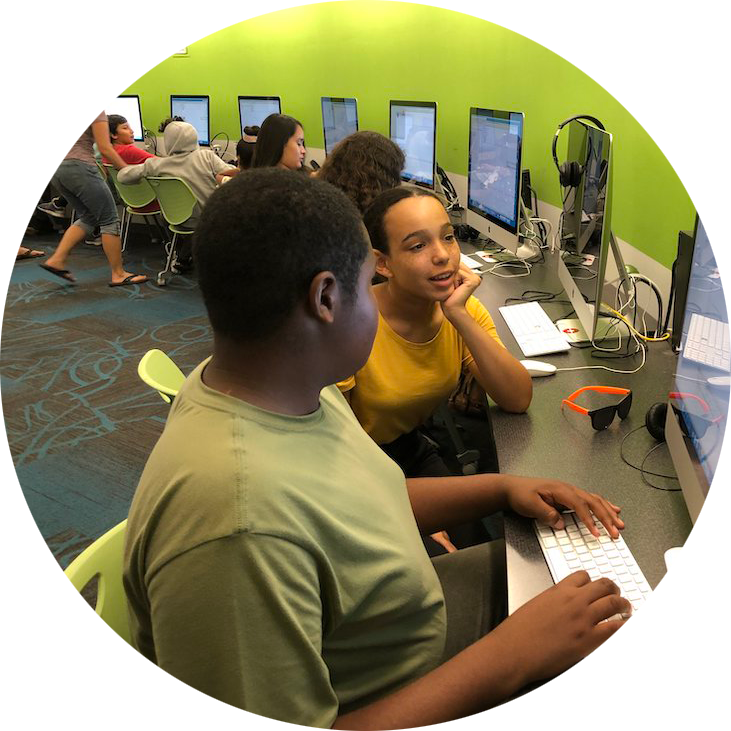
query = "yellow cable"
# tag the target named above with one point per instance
(634, 330)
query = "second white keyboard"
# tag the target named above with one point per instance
(533, 330)
(575, 549)
(708, 342)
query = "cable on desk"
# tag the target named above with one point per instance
(641, 468)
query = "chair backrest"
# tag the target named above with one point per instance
(103, 558)
(177, 201)
(133, 195)
(159, 371)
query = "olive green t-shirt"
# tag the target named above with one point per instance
(273, 562)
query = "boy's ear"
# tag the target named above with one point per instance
(324, 296)
(382, 264)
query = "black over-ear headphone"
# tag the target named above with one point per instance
(655, 420)
(569, 173)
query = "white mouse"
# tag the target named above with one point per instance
(537, 368)
(722, 381)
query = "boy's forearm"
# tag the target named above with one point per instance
(439, 503)
(480, 677)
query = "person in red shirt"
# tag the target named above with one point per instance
(123, 138)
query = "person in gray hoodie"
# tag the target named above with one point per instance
(199, 167)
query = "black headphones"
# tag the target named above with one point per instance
(569, 173)
(655, 420)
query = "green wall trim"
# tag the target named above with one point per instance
(376, 51)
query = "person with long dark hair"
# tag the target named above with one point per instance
(280, 143)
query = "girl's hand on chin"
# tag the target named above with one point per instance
(465, 283)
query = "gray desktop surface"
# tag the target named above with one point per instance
(549, 442)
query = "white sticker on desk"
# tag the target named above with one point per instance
(484, 256)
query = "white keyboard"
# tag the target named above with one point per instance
(708, 342)
(575, 549)
(533, 330)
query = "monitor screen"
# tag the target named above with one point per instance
(253, 110)
(194, 110)
(413, 127)
(493, 173)
(339, 119)
(128, 106)
(700, 396)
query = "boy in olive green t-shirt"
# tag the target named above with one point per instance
(273, 556)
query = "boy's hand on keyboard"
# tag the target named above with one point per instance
(542, 499)
(562, 625)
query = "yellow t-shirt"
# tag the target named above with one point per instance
(403, 382)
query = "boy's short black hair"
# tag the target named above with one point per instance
(262, 238)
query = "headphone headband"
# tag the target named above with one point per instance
(563, 124)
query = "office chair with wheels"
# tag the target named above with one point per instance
(177, 204)
(103, 558)
(136, 199)
(159, 371)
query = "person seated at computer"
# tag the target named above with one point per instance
(80, 182)
(280, 143)
(199, 167)
(363, 165)
(272, 558)
(245, 147)
(430, 328)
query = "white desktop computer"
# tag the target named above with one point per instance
(339, 119)
(413, 127)
(587, 241)
(697, 406)
(195, 111)
(253, 110)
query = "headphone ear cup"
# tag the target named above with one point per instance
(655, 421)
(569, 174)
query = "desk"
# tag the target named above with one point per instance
(549, 442)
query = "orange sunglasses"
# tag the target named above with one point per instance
(602, 418)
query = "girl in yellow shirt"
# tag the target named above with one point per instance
(430, 328)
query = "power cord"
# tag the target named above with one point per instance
(641, 468)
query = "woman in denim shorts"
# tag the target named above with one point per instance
(79, 180)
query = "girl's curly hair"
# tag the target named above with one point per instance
(363, 165)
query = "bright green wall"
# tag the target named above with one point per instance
(376, 51)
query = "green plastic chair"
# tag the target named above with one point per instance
(177, 204)
(159, 371)
(134, 196)
(103, 558)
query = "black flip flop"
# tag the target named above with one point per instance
(30, 254)
(128, 280)
(63, 273)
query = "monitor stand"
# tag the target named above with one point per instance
(526, 250)
(606, 327)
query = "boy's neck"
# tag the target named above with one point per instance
(265, 376)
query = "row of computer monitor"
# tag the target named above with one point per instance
(495, 146)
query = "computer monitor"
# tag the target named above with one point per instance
(494, 175)
(575, 271)
(698, 403)
(339, 119)
(128, 106)
(194, 110)
(413, 127)
(253, 110)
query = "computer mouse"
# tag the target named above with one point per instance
(720, 381)
(537, 368)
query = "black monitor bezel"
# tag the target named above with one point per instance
(483, 111)
(332, 99)
(139, 109)
(208, 116)
(428, 105)
(278, 99)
